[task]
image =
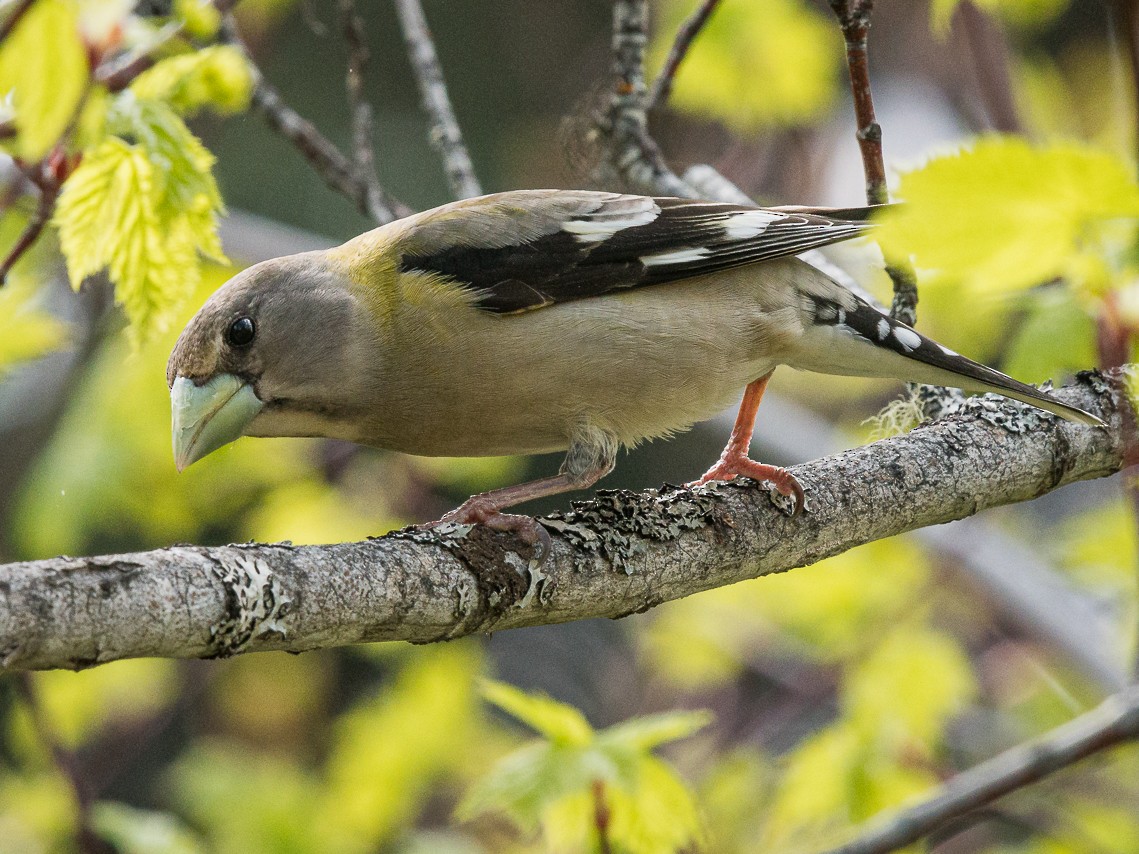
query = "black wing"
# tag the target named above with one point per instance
(528, 249)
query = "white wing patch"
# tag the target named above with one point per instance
(599, 229)
(909, 339)
(883, 329)
(677, 256)
(748, 224)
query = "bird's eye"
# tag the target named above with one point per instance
(240, 332)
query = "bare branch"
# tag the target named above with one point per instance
(13, 18)
(325, 158)
(618, 554)
(662, 86)
(989, 54)
(854, 18)
(1113, 722)
(631, 155)
(49, 192)
(358, 58)
(445, 134)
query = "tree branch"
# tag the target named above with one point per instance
(631, 154)
(13, 18)
(358, 57)
(854, 18)
(662, 86)
(618, 554)
(325, 158)
(445, 134)
(1113, 722)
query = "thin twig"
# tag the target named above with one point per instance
(88, 841)
(631, 154)
(13, 18)
(601, 817)
(445, 134)
(49, 192)
(662, 86)
(1113, 722)
(325, 158)
(854, 18)
(362, 139)
(119, 73)
(989, 53)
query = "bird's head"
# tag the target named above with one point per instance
(271, 353)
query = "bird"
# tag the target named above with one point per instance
(534, 321)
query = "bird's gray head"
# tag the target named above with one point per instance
(269, 354)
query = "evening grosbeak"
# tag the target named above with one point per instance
(543, 320)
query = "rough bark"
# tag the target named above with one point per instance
(617, 554)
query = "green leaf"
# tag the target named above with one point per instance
(143, 212)
(785, 44)
(554, 783)
(200, 17)
(644, 733)
(1005, 215)
(43, 69)
(909, 687)
(135, 831)
(217, 77)
(562, 724)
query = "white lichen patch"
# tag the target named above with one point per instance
(255, 603)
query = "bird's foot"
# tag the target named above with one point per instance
(731, 466)
(478, 510)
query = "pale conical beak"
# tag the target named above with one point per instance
(208, 416)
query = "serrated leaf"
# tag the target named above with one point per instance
(1005, 215)
(43, 69)
(785, 43)
(143, 212)
(217, 77)
(561, 723)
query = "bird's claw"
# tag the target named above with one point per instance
(731, 467)
(477, 511)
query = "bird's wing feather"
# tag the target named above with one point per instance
(523, 250)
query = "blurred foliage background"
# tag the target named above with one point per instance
(831, 692)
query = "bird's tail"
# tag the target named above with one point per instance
(864, 342)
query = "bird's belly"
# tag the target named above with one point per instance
(637, 368)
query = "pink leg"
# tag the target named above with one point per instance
(486, 507)
(735, 462)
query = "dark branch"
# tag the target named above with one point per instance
(662, 86)
(358, 58)
(325, 158)
(13, 18)
(49, 192)
(1112, 723)
(854, 18)
(445, 134)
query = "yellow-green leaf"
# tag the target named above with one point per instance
(217, 77)
(754, 65)
(200, 17)
(1004, 215)
(649, 731)
(559, 722)
(135, 831)
(43, 69)
(909, 687)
